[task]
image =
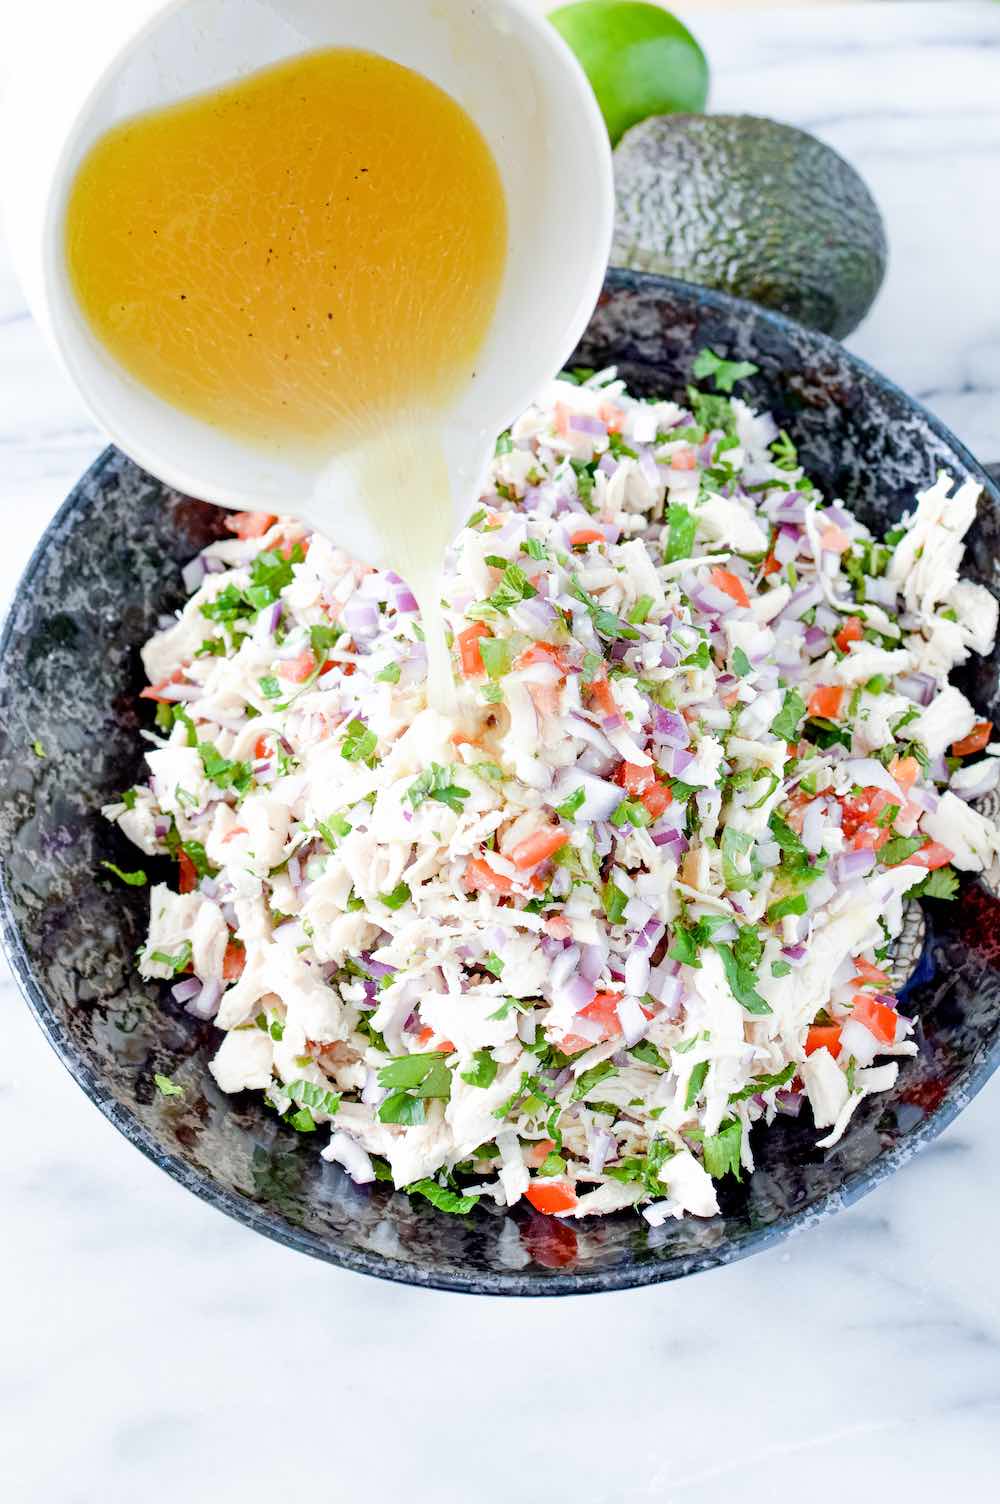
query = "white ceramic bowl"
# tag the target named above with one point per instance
(503, 63)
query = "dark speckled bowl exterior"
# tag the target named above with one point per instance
(109, 565)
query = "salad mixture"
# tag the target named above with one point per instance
(643, 894)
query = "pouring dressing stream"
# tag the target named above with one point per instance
(308, 259)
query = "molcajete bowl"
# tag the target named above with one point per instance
(109, 566)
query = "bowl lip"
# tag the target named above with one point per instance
(510, 1283)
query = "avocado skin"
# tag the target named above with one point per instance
(751, 207)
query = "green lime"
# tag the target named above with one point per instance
(639, 58)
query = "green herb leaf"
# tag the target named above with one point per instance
(721, 1151)
(614, 901)
(435, 783)
(794, 904)
(166, 1087)
(587, 1080)
(682, 526)
(360, 743)
(741, 663)
(899, 848)
(395, 900)
(177, 963)
(725, 373)
(569, 807)
(136, 879)
(388, 675)
(309, 1094)
(696, 1081)
(941, 883)
(786, 723)
(482, 1070)
(741, 981)
(443, 1198)
(764, 1083)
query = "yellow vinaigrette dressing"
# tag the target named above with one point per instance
(308, 258)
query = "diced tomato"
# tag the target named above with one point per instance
(977, 739)
(604, 1011)
(469, 655)
(188, 876)
(427, 1034)
(853, 630)
(730, 584)
(545, 698)
(771, 565)
(260, 748)
(611, 417)
(538, 847)
(601, 694)
(541, 652)
(906, 771)
(634, 778)
(248, 525)
(480, 877)
(233, 961)
(656, 799)
(866, 972)
(931, 856)
(237, 830)
(834, 540)
(871, 838)
(562, 418)
(298, 669)
(558, 927)
(683, 459)
(536, 1154)
(823, 1036)
(585, 535)
(876, 1017)
(550, 1196)
(826, 700)
(863, 812)
(155, 691)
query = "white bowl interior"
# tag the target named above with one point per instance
(507, 68)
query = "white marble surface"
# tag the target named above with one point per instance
(147, 1341)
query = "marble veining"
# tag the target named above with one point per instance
(146, 1338)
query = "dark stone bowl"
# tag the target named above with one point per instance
(109, 565)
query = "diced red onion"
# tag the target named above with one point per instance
(580, 423)
(526, 1028)
(918, 687)
(183, 992)
(593, 959)
(789, 1102)
(803, 599)
(634, 1022)
(564, 966)
(671, 728)
(205, 1004)
(812, 827)
(600, 1145)
(193, 574)
(361, 617)
(786, 545)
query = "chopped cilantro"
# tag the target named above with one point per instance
(682, 526)
(614, 902)
(899, 849)
(764, 1083)
(495, 653)
(435, 782)
(309, 1094)
(941, 883)
(166, 1087)
(696, 1081)
(482, 1070)
(741, 980)
(567, 810)
(395, 900)
(794, 904)
(493, 964)
(359, 743)
(176, 963)
(721, 1151)
(786, 723)
(136, 879)
(443, 1198)
(587, 1080)
(269, 687)
(388, 675)
(741, 663)
(724, 373)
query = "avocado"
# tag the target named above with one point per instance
(752, 207)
